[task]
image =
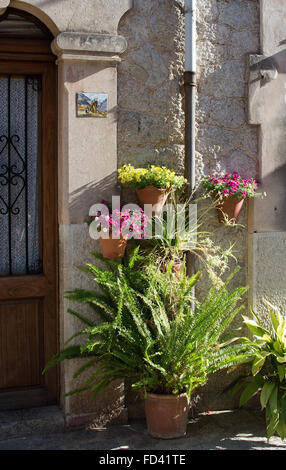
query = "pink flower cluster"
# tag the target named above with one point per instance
(128, 223)
(231, 185)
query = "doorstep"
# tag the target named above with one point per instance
(20, 423)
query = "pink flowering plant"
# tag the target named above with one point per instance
(230, 185)
(126, 222)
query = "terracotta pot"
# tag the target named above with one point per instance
(151, 195)
(231, 207)
(167, 415)
(176, 268)
(113, 248)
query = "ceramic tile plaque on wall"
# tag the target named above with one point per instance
(91, 104)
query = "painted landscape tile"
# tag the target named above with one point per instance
(91, 104)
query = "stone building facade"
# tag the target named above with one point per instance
(134, 51)
(151, 106)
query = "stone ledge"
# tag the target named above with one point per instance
(88, 58)
(86, 46)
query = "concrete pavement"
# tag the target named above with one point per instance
(230, 430)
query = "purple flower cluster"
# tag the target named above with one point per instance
(231, 185)
(126, 222)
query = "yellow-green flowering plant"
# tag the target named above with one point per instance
(159, 177)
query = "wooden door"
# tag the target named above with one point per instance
(28, 226)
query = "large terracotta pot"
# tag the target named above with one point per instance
(151, 195)
(167, 415)
(231, 207)
(113, 248)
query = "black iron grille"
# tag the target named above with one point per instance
(20, 169)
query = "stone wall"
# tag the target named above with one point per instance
(151, 119)
(150, 96)
(228, 30)
(151, 108)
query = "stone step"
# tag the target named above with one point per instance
(20, 423)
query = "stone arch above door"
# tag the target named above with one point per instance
(101, 16)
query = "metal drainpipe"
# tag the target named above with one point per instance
(190, 96)
(190, 91)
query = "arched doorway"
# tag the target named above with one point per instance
(28, 212)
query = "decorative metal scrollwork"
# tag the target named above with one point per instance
(12, 174)
(35, 83)
(20, 247)
(37, 266)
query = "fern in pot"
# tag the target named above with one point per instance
(151, 338)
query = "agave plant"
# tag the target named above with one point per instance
(267, 373)
(150, 336)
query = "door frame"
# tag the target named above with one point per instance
(35, 57)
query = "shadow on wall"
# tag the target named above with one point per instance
(75, 74)
(84, 197)
(270, 212)
(270, 66)
(273, 206)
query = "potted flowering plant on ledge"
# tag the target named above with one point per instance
(153, 184)
(116, 228)
(230, 191)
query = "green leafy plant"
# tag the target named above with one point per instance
(150, 336)
(267, 373)
(173, 240)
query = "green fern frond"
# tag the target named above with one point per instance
(150, 334)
